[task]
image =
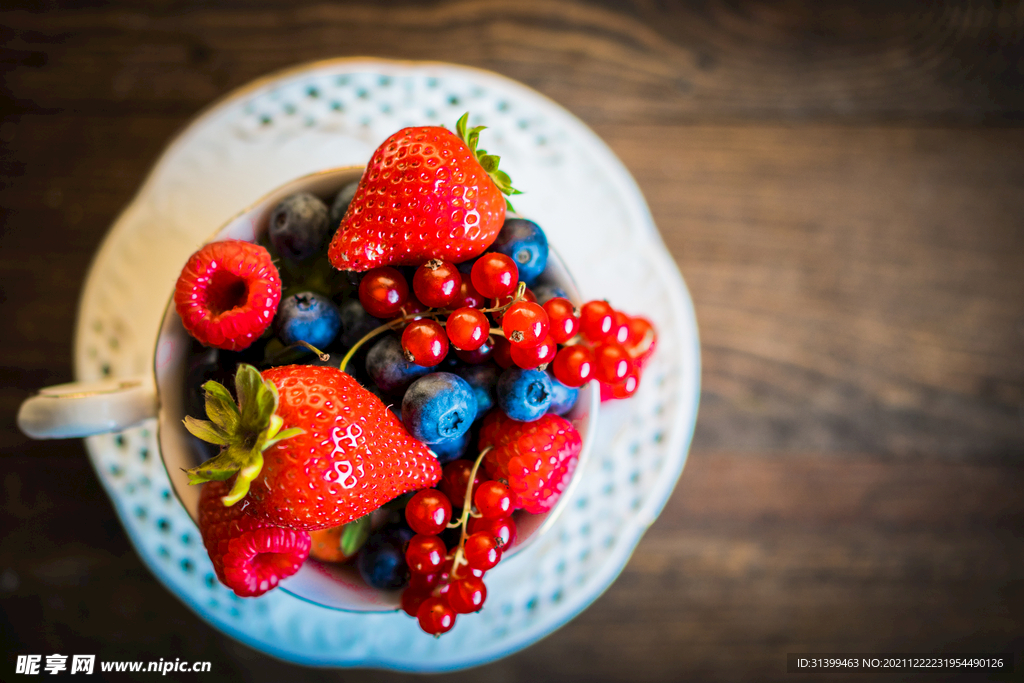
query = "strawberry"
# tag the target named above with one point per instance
(426, 193)
(227, 294)
(536, 459)
(250, 556)
(312, 448)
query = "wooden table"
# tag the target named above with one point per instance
(841, 186)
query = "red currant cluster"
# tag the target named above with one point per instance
(596, 343)
(446, 583)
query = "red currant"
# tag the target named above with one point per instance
(611, 363)
(564, 323)
(524, 324)
(493, 499)
(412, 599)
(428, 511)
(455, 479)
(425, 554)
(596, 320)
(495, 275)
(468, 296)
(502, 530)
(467, 595)
(502, 302)
(448, 574)
(437, 283)
(502, 353)
(534, 356)
(573, 365)
(413, 306)
(481, 355)
(436, 616)
(425, 583)
(425, 343)
(642, 339)
(468, 328)
(620, 328)
(383, 291)
(481, 551)
(626, 387)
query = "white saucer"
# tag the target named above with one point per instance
(335, 113)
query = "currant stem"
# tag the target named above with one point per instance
(467, 509)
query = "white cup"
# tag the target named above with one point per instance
(84, 409)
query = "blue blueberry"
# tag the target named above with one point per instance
(450, 449)
(355, 323)
(381, 562)
(308, 317)
(438, 407)
(524, 395)
(299, 226)
(387, 366)
(525, 243)
(563, 398)
(545, 293)
(483, 379)
(340, 204)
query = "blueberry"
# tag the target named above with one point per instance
(355, 322)
(466, 267)
(299, 226)
(482, 379)
(308, 317)
(450, 449)
(438, 407)
(387, 366)
(563, 398)
(545, 293)
(524, 395)
(525, 243)
(340, 204)
(381, 562)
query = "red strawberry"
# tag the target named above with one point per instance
(426, 193)
(536, 458)
(250, 556)
(318, 449)
(227, 294)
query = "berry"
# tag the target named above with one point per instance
(611, 363)
(563, 397)
(524, 395)
(341, 203)
(573, 365)
(424, 343)
(307, 317)
(467, 595)
(481, 355)
(468, 297)
(481, 551)
(381, 562)
(546, 293)
(483, 379)
(250, 556)
(596, 321)
(564, 324)
(299, 226)
(502, 352)
(387, 365)
(526, 244)
(451, 449)
(438, 407)
(502, 529)
(455, 479)
(227, 294)
(532, 357)
(437, 283)
(537, 458)
(467, 328)
(428, 512)
(436, 616)
(524, 324)
(495, 275)
(355, 323)
(326, 545)
(333, 453)
(448, 574)
(620, 328)
(424, 194)
(625, 388)
(412, 599)
(503, 302)
(383, 292)
(641, 340)
(425, 554)
(493, 499)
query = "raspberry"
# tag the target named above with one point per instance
(250, 556)
(227, 294)
(536, 458)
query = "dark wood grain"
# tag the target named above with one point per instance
(841, 186)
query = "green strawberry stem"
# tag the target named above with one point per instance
(432, 313)
(489, 162)
(243, 430)
(467, 508)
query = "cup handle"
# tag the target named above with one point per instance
(68, 411)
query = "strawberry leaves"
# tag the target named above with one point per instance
(243, 430)
(489, 162)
